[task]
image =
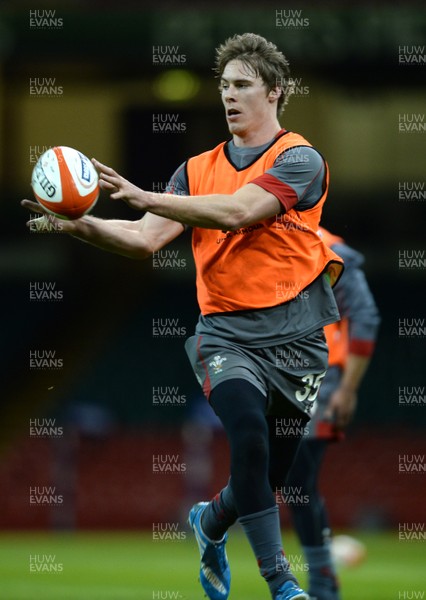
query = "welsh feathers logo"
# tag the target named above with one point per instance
(216, 364)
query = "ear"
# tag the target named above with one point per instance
(275, 93)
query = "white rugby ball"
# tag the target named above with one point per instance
(65, 182)
(347, 551)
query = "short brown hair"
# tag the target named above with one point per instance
(260, 56)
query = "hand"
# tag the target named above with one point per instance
(341, 407)
(47, 222)
(120, 188)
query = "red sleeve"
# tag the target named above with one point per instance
(283, 192)
(361, 347)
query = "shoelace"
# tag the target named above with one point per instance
(213, 580)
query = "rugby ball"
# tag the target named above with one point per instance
(347, 551)
(65, 182)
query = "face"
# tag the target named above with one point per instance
(248, 105)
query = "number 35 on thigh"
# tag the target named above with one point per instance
(311, 388)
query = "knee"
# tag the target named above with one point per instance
(301, 482)
(296, 476)
(249, 442)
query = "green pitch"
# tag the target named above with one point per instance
(123, 566)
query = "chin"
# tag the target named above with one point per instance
(236, 129)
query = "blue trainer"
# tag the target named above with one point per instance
(215, 576)
(291, 591)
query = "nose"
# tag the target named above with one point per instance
(229, 93)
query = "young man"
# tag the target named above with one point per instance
(351, 344)
(254, 204)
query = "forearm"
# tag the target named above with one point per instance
(118, 237)
(216, 211)
(354, 371)
(342, 403)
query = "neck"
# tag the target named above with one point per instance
(257, 138)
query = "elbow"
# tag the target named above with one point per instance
(140, 253)
(134, 254)
(137, 252)
(139, 256)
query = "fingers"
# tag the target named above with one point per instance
(33, 206)
(112, 179)
(103, 168)
(342, 420)
(342, 416)
(47, 221)
(109, 180)
(107, 185)
(328, 413)
(113, 183)
(114, 191)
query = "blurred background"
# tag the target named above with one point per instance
(133, 86)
